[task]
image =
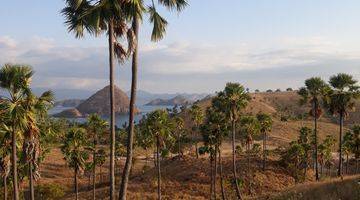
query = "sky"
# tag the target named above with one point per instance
(261, 44)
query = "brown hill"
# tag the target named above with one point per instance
(178, 100)
(69, 113)
(100, 102)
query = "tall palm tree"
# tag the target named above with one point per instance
(15, 79)
(314, 90)
(136, 10)
(158, 126)
(36, 109)
(265, 123)
(340, 100)
(197, 117)
(233, 99)
(74, 149)
(96, 17)
(96, 127)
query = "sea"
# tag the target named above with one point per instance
(120, 120)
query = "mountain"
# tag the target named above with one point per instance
(63, 94)
(100, 103)
(143, 97)
(69, 113)
(178, 100)
(69, 102)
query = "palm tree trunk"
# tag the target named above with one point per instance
(211, 177)
(264, 151)
(76, 184)
(94, 172)
(130, 139)
(14, 166)
(112, 109)
(347, 163)
(215, 169)
(5, 187)
(316, 142)
(238, 194)
(221, 177)
(158, 167)
(31, 182)
(340, 144)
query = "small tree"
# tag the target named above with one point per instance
(265, 123)
(158, 126)
(325, 150)
(197, 117)
(292, 159)
(249, 127)
(74, 149)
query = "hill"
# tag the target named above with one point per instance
(69, 102)
(178, 100)
(100, 102)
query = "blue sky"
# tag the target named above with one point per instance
(259, 43)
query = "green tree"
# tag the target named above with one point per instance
(96, 128)
(340, 100)
(304, 141)
(325, 150)
(158, 125)
(314, 90)
(197, 117)
(73, 147)
(232, 100)
(292, 159)
(15, 79)
(249, 127)
(356, 144)
(265, 122)
(110, 17)
(214, 130)
(347, 148)
(5, 151)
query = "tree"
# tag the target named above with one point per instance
(15, 79)
(96, 127)
(265, 123)
(179, 130)
(289, 89)
(158, 126)
(347, 148)
(325, 148)
(75, 153)
(97, 17)
(339, 101)
(304, 141)
(232, 100)
(136, 11)
(197, 116)
(36, 109)
(314, 90)
(249, 127)
(5, 150)
(292, 159)
(356, 144)
(214, 130)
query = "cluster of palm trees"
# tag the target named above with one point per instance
(119, 19)
(337, 97)
(24, 125)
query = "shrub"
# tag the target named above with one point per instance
(49, 191)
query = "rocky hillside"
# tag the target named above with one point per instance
(69, 102)
(100, 102)
(178, 100)
(69, 113)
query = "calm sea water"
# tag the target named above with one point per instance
(120, 119)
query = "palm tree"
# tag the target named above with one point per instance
(97, 17)
(197, 117)
(265, 123)
(249, 127)
(340, 100)
(356, 142)
(233, 99)
(36, 109)
(304, 141)
(5, 151)
(15, 79)
(215, 129)
(136, 10)
(74, 149)
(158, 126)
(96, 127)
(347, 148)
(179, 129)
(314, 90)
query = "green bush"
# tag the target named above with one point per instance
(49, 191)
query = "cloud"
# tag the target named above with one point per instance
(185, 66)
